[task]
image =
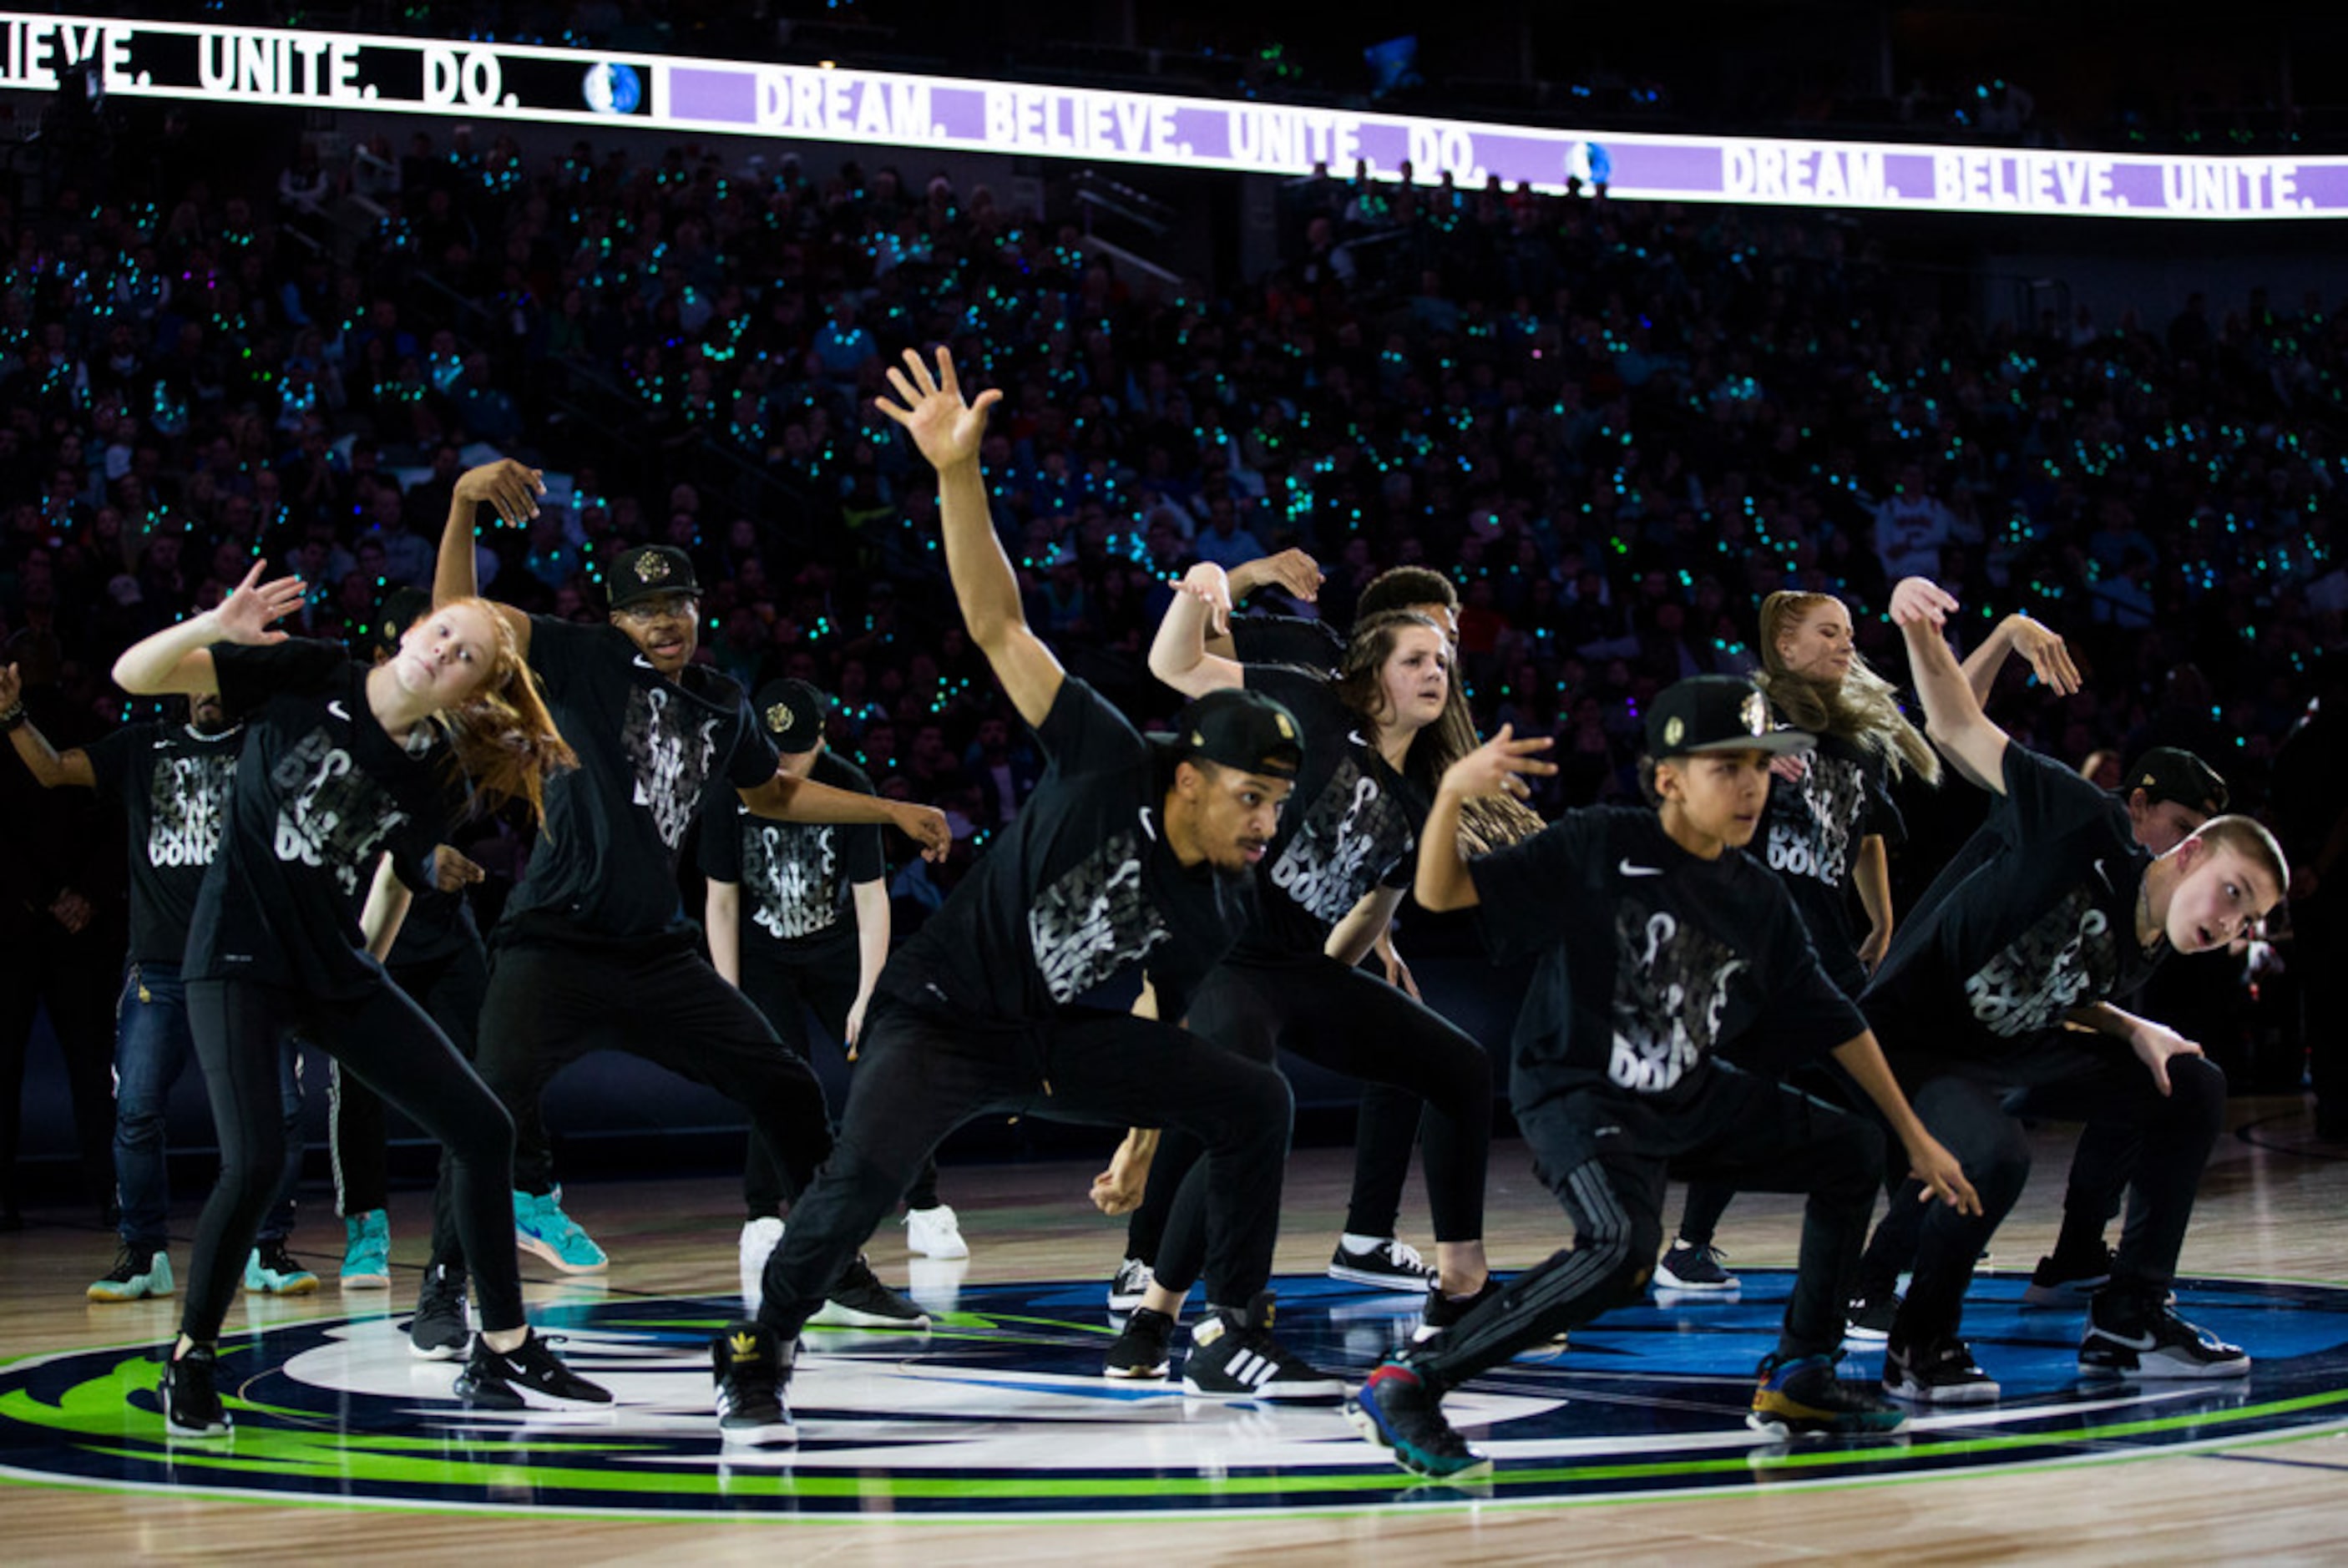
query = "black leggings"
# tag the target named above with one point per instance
(1349, 1022)
(392, 1046)
(921, 1076)
(785, 991)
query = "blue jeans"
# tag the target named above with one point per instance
(151, 1048)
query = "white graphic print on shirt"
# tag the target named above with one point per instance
(1670, 984)
(186, 798)
(1814, 838)
(2069, 958)
(1328, 866)
(330, 814)
(1094, 920)
(669, 753)
(794, 872)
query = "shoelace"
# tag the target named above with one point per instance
(1405, 1254)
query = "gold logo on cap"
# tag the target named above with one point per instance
(778, 718)
(1754, 712)
(1287, 730)
(1672, 730)
(652, 567)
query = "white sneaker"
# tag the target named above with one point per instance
(760, 1237)
(1129, 1285)
(934, 1233)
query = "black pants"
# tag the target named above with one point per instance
(1708, 1201)
(920, 1076)
(786, 989)
(392, 1046)
(2066, 1077)
(551, 1003)
(2102, 1164)
(1608, 1155)
(449, 988)
(76, 976)
(1349, 1022)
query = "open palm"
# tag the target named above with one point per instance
(946, 428)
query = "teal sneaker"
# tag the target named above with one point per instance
(271, 1270)
(136, 1275)
(366, 1251)
(541, 1226)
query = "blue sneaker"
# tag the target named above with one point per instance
(1800, 1396)
(271, 1270)
(541, 1226)
(366, 1251)
(1397, 1412)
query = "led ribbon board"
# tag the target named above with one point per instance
(486, 81)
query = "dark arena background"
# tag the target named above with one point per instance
(1621, 319)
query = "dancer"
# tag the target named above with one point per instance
(1328, 886)
(1128, 858)
(1660, 947)
(2063, 911)
(593, 950)
(347, 773)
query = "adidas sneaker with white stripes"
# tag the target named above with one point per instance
(1234, 1356)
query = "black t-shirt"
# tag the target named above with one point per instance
(1810, 837)
(652, 753)
(797, 878)
(2036, 917)
(1286, 640)
(1080, 889)
(437, 925)
(173, 785)
(1651, 961)
(1350, 825)
(320, 792)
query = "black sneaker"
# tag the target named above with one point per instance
(1145, 1349)
(2125, 1338)
(750, 1367)
(859, 1300)
(437, 1331)
(1940, 1373)
(2060, 1281)
(1395, 1411)
(530, 1376)
(192, 1405)
(1235, 1355)
(1867, 1319)
(1798, 1396)
(1689, 1267)
(1442, 1311)
(1390, 1265)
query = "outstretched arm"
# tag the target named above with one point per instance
(48, 768)
(1492, 769)
(788, 800)
(1952, 716)
(2049, 657)
(513, 490)
(948, 430)
(180, 658)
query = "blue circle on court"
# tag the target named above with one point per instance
(999, 1411)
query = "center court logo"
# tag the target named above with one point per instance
(1001, 1412)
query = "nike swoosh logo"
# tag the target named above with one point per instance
(1628, 870)
(336, 708)
(1356, 737)
(643, 663)
(2103, 877)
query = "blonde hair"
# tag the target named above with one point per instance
(502, 738)
(1862, 707)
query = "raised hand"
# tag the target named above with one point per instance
(246, 614)
(1292, 570)
(2049, 657)
(1920, 598)
(1207, 582)
(508, 486)
(1498, 767)
(946, 428)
